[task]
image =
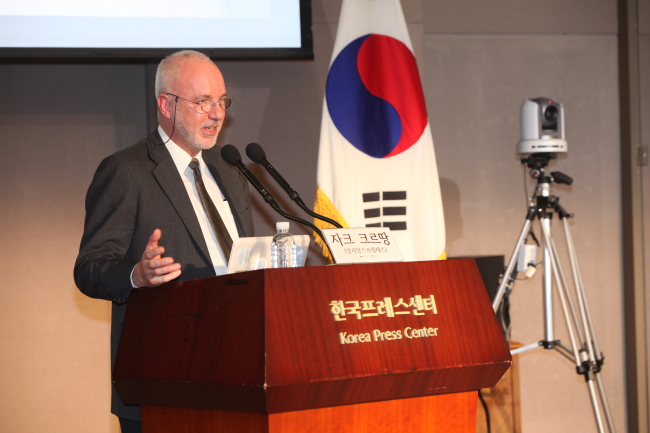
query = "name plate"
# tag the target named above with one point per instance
(362, 245)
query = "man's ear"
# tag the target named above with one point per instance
(166, 105)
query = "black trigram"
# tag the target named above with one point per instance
(384, 205)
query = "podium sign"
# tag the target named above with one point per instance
(362, 245)
(283, 340)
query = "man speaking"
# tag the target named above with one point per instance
(167, 208)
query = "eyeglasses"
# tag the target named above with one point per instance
(206, 105)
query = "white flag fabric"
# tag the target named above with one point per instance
(376, 162)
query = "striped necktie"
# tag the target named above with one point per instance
(220, 230)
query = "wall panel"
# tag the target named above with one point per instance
(475, 85)
(56, 122)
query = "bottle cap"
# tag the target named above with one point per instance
(282, 225)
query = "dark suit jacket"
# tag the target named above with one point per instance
(133, 192)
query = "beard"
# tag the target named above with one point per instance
(193, 135)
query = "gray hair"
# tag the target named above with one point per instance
(168, 69)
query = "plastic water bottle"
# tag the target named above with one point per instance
(284, 251)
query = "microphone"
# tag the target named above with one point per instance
(232, 156)
(258, 156)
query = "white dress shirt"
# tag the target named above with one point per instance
(182, 160)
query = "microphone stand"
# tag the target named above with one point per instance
(258, 156)
(232, 156)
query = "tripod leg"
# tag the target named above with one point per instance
(582, 361)
(580, 292)
(554, 265)
(594, 405)
(547, 283)
(596, 359)
(603, 398)
(565, 287)
(508, 279)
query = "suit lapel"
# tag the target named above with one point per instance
(170, 182)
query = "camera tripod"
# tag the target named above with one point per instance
(585, 353)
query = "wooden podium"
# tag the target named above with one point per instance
(393, 347)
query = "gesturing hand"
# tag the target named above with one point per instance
(153, 269)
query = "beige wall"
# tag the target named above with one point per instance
(56, 122)
(478, 60)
